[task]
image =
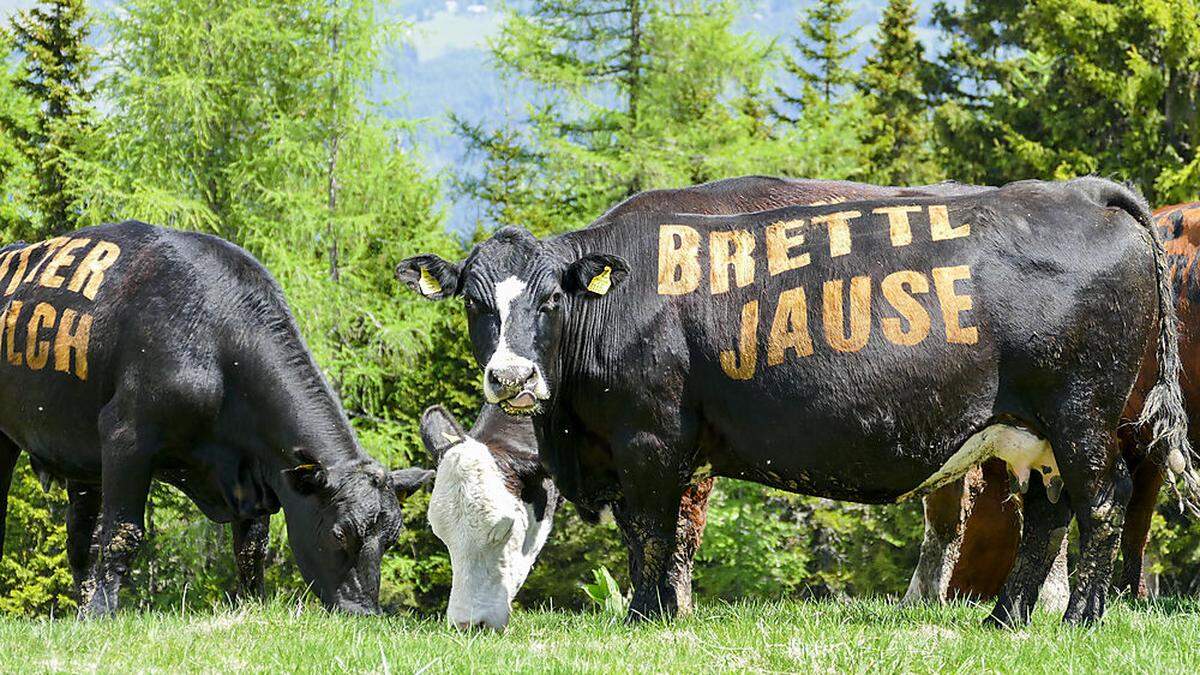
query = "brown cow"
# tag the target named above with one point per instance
(972, 526)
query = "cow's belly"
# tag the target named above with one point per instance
(874, 476)
(59, 429)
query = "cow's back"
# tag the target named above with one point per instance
(746, 194)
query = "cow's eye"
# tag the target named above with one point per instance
(476, 307)
(551, 302)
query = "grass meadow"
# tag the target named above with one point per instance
(854, 636)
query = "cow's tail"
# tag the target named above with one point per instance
(1163, 410)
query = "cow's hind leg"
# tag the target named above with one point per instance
(127, 456)
(1042, 536)
(83, 516)
(1147, 481)
(1098, 484)
(250, 551)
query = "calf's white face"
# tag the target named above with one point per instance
(493, 536)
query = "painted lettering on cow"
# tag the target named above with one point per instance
(848, 317)
(39, 331)
(897, 307)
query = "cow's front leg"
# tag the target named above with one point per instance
(250, 551)
(946, 510)
(9, 453)
(125, 487)
(83, 517)
(649, 517)
(693, 516)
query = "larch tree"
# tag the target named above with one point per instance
(252, 121)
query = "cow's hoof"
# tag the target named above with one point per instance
(91, 612)
(1003, 618)
(99, 607)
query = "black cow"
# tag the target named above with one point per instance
(132, 352)
(501, 450)
(950, 330)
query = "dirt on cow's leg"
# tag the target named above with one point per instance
(125, 487)
(9, 453)
(1147, 481)
(1042, 536)
(250, 551)
(946, 510)
(693, 516)
(83, 518)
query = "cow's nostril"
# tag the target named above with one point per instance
(462, 625)
(510, 376)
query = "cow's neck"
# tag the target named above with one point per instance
(293, 403)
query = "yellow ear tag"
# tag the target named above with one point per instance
(451, 437)
(601, 282)
(428, 283)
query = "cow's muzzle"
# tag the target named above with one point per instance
(518, 387)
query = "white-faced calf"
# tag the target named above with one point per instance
(493, 505)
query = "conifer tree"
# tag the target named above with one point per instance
(52, 36)
(898, 130)
(824, 42)
(631, 95)
(1059, 90)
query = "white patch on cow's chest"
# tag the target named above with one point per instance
(1023, 451)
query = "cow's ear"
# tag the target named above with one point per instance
(594, 275)
(440, 432)
(407, 481)
(307, 477)
(429, 275)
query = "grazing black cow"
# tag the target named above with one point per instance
(950, 330)
(132, 352)
(484, 578)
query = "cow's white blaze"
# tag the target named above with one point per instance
(504, 358)
(493, 537)
(1024, 452)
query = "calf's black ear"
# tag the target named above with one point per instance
(440, 432)
(429, 275)
(307, 477)
(407, 481)
(594, 275)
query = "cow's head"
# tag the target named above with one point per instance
(342, 518)
(517, 291)
(493, 508)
